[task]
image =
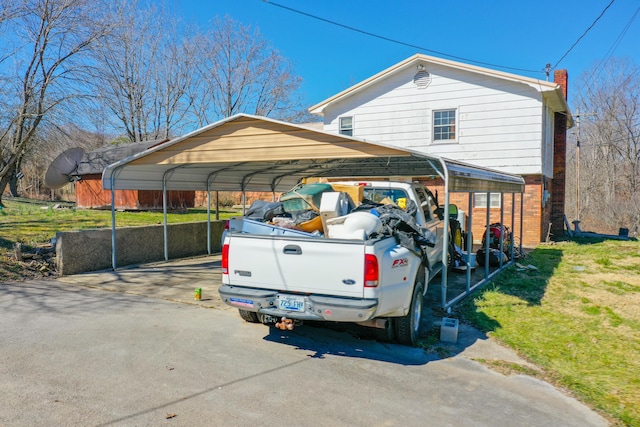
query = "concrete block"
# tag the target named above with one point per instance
(449, 330)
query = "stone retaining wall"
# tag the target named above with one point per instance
(90, 250)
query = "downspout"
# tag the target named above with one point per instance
(521, 218)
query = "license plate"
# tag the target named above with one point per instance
(290, 303)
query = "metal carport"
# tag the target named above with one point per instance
(252, 153)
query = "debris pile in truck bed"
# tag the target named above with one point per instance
(318, 210)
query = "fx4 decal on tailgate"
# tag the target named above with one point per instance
(400, 262)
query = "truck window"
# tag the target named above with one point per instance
(427, 204)
(387, 195)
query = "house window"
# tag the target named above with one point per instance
(480, 200)
(346, 126)
(444, 125)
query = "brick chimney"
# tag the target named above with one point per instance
(558, 184)
(561, 78)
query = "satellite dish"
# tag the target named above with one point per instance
(59, 173)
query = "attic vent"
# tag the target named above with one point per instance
(422, 79)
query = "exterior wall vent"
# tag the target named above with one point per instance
(422, 79)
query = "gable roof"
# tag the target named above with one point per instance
(550, 91)
(252, 153)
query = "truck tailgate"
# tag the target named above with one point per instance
(308, 265)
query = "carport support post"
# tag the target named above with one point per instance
(164, 212)
(208, 219)
(113, 220)
(513, 221)
(469, 241)
(486, 237)
(445, 241)
(502, 227)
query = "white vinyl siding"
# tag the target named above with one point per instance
(499, 123)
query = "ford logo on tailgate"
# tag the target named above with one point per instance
(349, 282)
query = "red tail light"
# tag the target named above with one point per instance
(371, 273)
(225, 259)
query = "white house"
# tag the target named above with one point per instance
(477, 115)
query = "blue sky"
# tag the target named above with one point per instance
(517, 34)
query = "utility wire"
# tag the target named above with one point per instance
(328, 21)
(583, 34)
(615, 45)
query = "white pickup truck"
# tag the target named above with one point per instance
(370, 266)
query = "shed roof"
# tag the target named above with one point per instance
(94, 162)
(252, 153)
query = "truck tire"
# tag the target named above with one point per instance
(407, 327)
(249, 316)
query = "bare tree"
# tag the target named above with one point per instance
(239, 72)
(143, 72)
(48, 45)
(122, 73)
(172, 79)
(610, 146)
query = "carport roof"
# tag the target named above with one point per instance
(252, 153)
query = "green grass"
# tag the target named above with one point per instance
(33, 223)
(577, 317)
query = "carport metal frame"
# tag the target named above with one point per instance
(333, 156)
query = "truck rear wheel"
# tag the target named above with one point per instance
(249, 316)
(407, 327)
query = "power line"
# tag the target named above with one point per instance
(615, 44)
(584, 34)
(328, 21)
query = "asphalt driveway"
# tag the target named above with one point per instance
(133, 348)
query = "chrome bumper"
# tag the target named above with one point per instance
(316, 307)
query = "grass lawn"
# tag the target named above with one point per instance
(577, 317)
(33, 223)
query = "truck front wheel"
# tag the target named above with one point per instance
(407, 327)
(249, 316)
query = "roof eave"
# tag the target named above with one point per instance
(540, 85)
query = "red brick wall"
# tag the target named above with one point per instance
(535, 218)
